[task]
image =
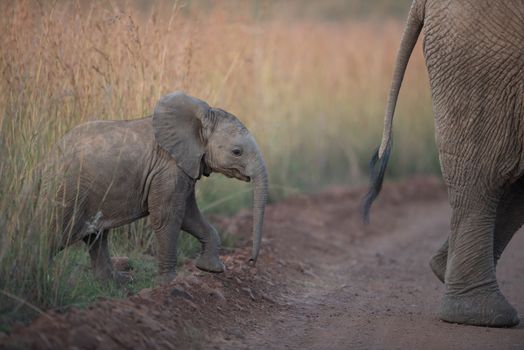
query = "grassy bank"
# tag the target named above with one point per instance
(311, 91)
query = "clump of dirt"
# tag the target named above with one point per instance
(199, 309)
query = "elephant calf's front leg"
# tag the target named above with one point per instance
(167, 205)
(167, 237)
(195, 224)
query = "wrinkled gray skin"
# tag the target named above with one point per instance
(116, 172)
(474, 53)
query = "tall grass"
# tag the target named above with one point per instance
(311, 91)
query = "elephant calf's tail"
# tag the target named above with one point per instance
(407, 43)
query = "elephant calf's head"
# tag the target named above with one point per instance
(202, 139)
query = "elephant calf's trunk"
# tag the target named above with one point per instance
(260, 193)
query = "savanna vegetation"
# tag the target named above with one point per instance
(310, 82)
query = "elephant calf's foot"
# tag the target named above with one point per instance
(489, 309)
(210, 264)
(438, 266)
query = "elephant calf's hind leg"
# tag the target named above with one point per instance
(100, 259)
(99, 253)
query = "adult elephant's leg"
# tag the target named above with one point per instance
(439, 261)
(472, 293)
(195, 224)
(510, 217)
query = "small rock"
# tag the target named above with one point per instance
(218, 294)
(179, 293)
(248, 290)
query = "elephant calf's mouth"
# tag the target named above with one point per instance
(237, 175)
(242, 177)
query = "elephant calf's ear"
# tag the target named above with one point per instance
(177, 126)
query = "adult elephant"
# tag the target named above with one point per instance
(474, 53)
(110, 173)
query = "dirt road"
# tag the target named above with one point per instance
(324, 282)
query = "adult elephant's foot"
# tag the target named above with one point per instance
(210, 263)
(489, 309)
(165, 278)
(438, 266)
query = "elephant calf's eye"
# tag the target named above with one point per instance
(237, 152)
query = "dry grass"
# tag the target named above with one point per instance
(312, 92)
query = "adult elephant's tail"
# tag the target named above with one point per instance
(381, 155)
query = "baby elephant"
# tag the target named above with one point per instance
(115, 172)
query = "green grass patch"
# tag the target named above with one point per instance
(70, 281)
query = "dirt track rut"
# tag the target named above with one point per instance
(380, 294)
(324, 282)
